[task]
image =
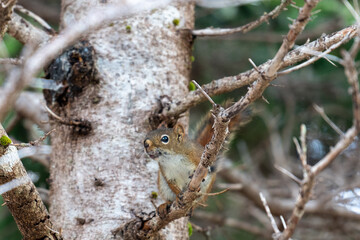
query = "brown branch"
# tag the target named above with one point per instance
(32, 143)
(315, 58)
(244, 29)
(299, 209)
(35, 17)
(295, 29)
(12, 61)
(269, 214)
(50, 12)
(21, 196)
(352, 76)
(322, 113)
(228, 84)
(25, 32)
(259, 86)
(6, 9)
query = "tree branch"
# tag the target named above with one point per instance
(25, 32)
(20, 195)
(6, 10)
(228, 84)
(244, 29)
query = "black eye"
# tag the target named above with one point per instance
(165, 139)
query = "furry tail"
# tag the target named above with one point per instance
(204, 130)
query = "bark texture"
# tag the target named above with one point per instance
(100, 180)
(21, 196)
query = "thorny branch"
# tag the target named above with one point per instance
(259, 86)
(228, 84)
(246, 28)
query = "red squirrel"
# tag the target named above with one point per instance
(177, 156)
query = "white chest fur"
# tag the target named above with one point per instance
(177, 169)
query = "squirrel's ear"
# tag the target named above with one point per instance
(179, 131)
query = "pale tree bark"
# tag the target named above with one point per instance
(100, 180)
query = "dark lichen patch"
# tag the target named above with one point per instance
(72, 71)
(5, 141)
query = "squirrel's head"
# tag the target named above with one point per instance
(164, 141)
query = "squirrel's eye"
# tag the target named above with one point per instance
(165, 139)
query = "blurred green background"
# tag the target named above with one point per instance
(290, 97)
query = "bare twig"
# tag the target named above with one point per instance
(226, 31)
(283, 221)
(228, 84)
(13, 61)
(315, 58)
(33, 143)
(352, 76)
(295, 29)
(299, 208)
(217, 193)
(268, 212)
(37, 18)
(322, 113)
(25, 32)
(303, 155)
(289, 174)
(230, 186)
(259, 86)
(203, 92)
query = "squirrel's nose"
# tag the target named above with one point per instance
(147, 143)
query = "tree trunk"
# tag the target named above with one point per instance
(100, 180)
